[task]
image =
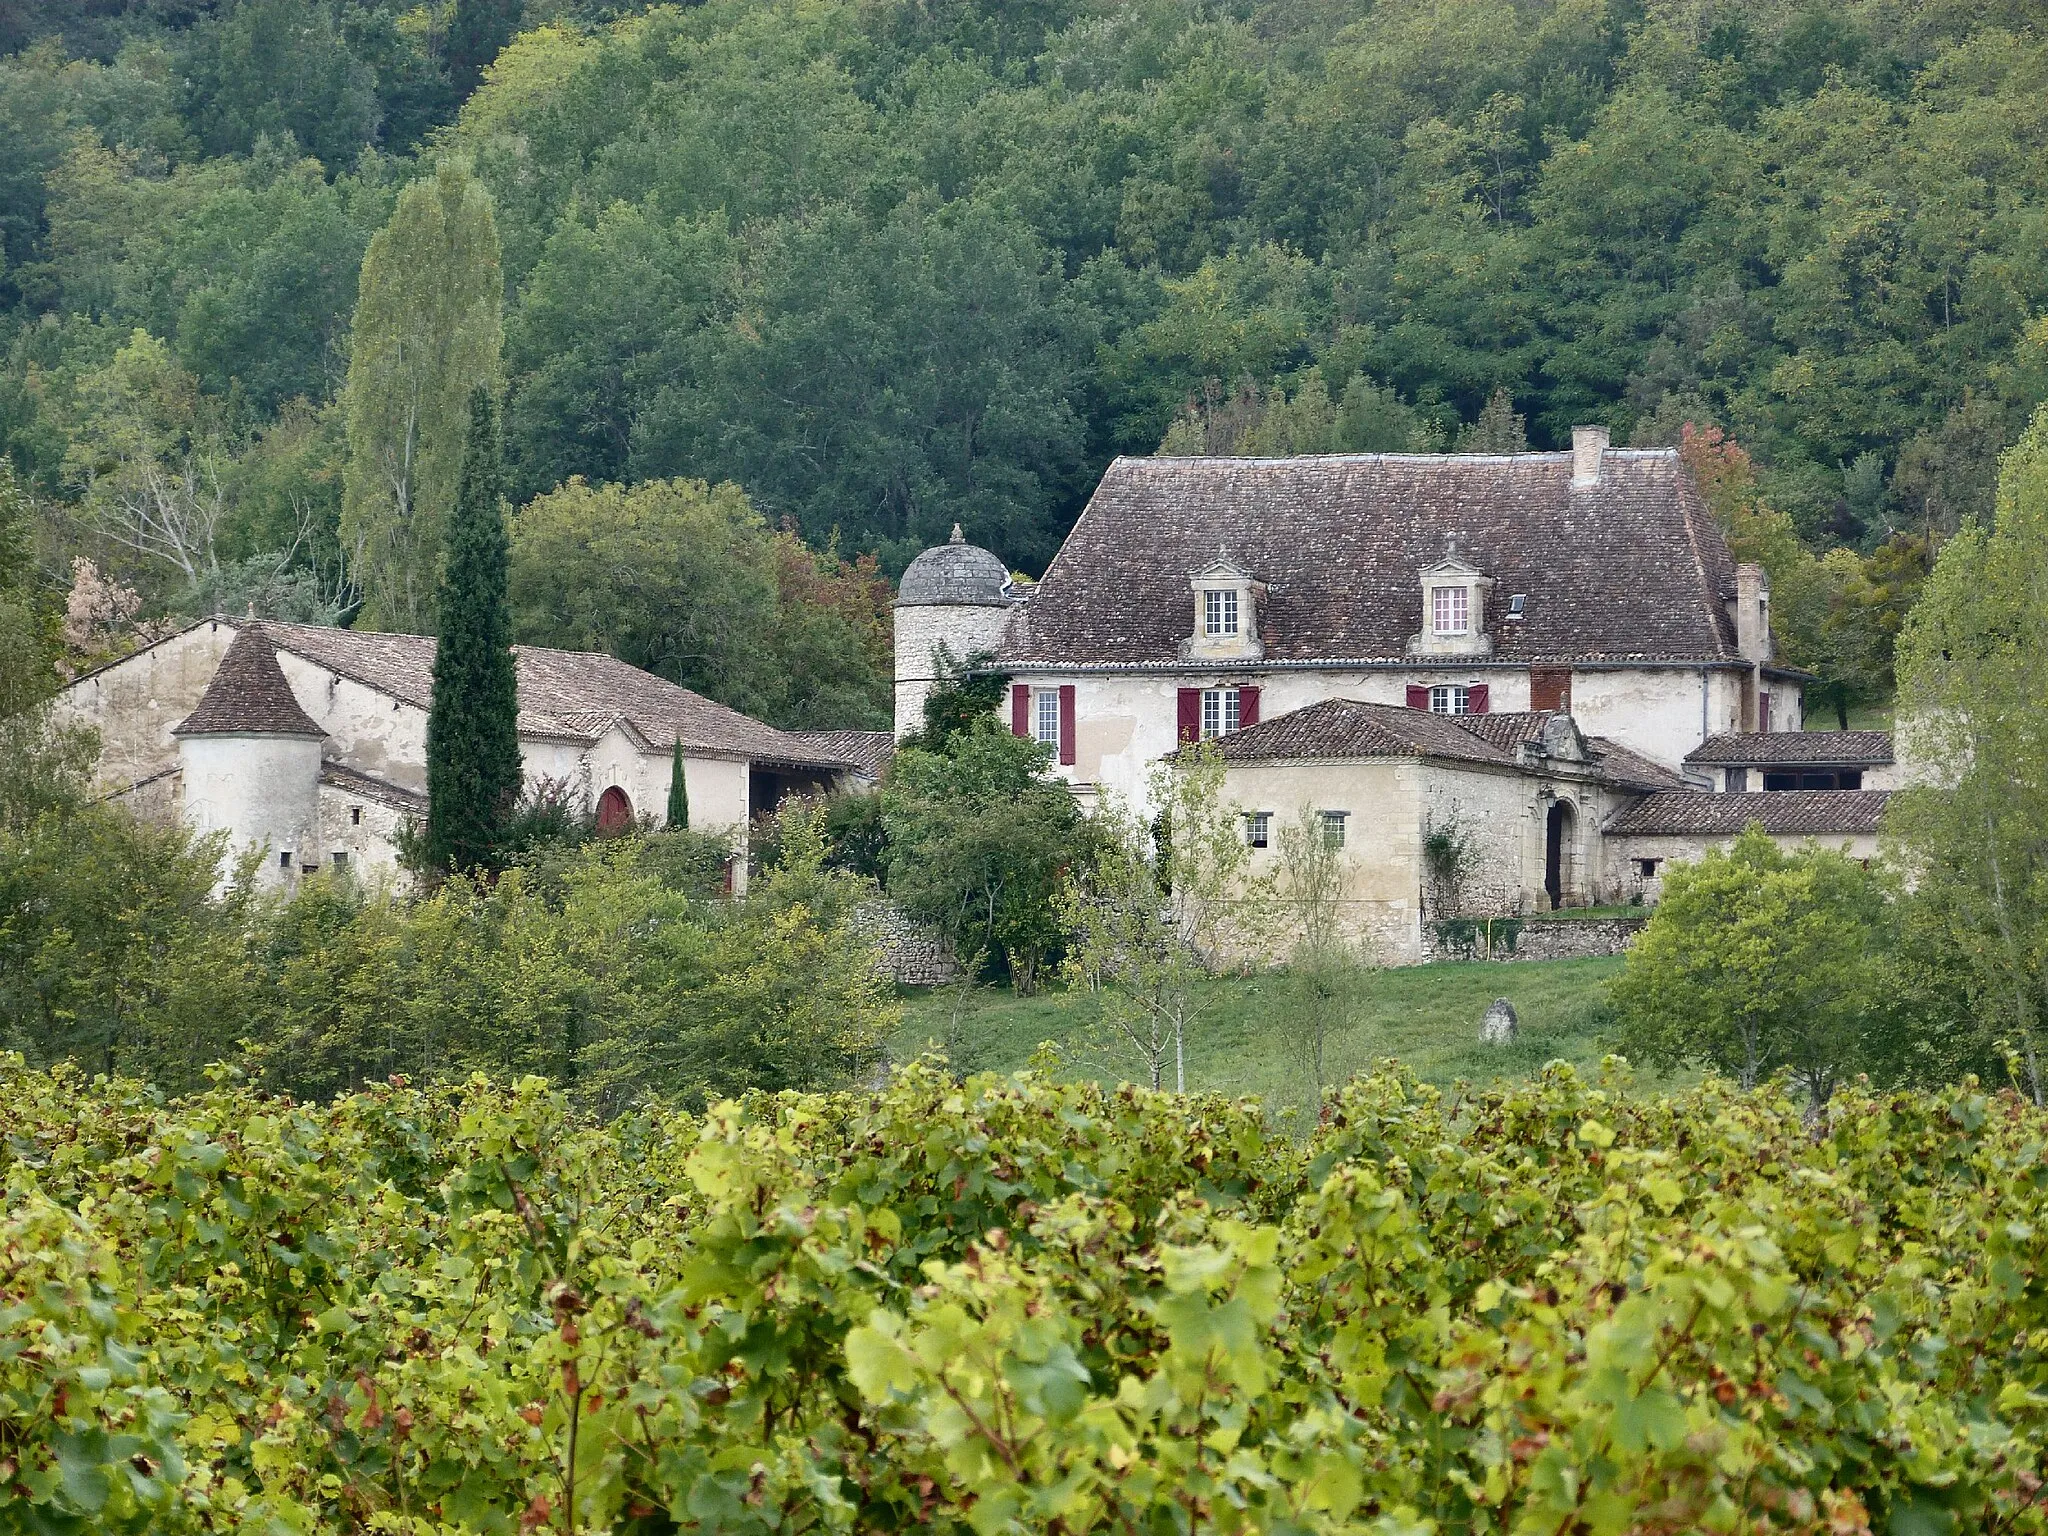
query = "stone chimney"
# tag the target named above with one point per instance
(1588, 443)
(1753, 614)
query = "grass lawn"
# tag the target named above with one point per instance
(1426, 1015)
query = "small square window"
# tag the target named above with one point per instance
(1450, 699)
(1647, 868)
(1449, 612)
(1219, 613)
(340, 858)
(1258, 829)
(1220, 711)
(1046, 721)
(284, 859)
(1333, 828)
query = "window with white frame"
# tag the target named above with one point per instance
(1258, 829)
(1219, 712)
(1045, 719)
(1449, 615)
(1333, 828)
(1219, 613)
(1450, 699)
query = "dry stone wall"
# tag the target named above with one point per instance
(912, 954)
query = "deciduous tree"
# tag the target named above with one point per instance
(428, 331)
(1756, 961)
(1973, 715)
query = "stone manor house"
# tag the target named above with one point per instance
(1551, 654)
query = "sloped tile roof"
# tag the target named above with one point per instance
(1345, 728)
(571, 695)
(1807, 748)
(370, 787)
(1624, 766)
(1509, 729)
(1633, 568)
(1784, 813)
(248, 693)
(868, 751)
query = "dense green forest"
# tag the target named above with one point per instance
(884, 265)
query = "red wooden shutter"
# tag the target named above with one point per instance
(1478, 698)
(1418, 696)
(1067, 725)
(1247, 707)
(1020, 710)
(1763, 712)
(1190, 714)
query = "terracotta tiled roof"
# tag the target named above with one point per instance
(248, 693)
(1630, 569)
(369, 787)
(572, 695)
(1620, 765)
(868, 751)
(1508, 729)
(1807, 748)
(1342, 728)
(1786, 813)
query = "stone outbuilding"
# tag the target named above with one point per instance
(1524, 794)
(1753, 762)
(1644, 838)
(310, 742)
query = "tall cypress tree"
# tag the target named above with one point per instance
(473, 724)
(678, 792)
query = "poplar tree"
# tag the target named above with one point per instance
(429, 328)
(473, 724)
(678, 792)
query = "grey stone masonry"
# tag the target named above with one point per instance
(912, 954)
(1517, 938)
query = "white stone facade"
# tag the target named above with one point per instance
(342, 800)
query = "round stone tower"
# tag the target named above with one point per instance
(955, 598)
(250, 761)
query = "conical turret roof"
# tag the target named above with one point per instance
(248, 695)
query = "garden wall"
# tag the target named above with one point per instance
(912, 955)
(1520, 938)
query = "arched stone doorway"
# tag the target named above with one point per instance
(614, 812)
(1560, 846)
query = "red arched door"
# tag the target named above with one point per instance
(614, 812)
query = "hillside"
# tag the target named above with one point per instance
(890, 264)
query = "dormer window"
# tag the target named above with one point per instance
(1226, 616)
(1453, 609)
(1219, 613)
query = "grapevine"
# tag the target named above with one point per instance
(1019, 1305)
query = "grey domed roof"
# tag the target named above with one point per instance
(955, 572)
